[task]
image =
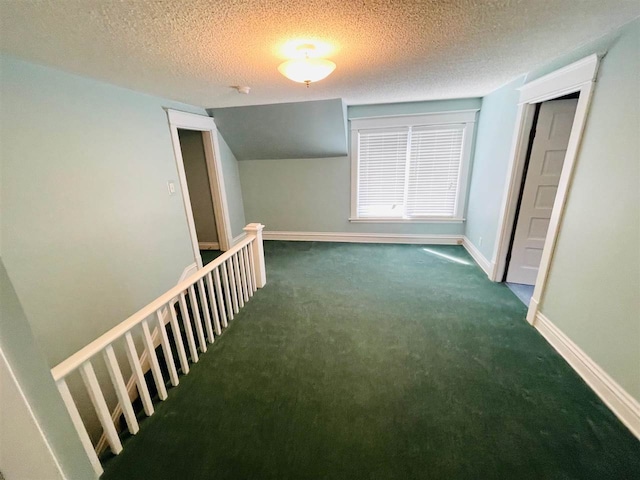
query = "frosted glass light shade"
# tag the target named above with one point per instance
(307, 70)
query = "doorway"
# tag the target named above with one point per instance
(548, 142)
(199, 168)
(200, 193)
(578, 77)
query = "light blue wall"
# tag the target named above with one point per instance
(284, 130)
(598, 46)
(310, 195)
(32, 372)
(232, 186)
(413, 108)
(89, 232)
(593, 290)
(314, 195)
(493, 143)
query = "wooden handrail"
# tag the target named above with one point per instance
(236, 274)
(72, 363)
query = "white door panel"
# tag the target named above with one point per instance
(541, 184)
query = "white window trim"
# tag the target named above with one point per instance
(466, 117)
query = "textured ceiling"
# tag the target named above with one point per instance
(386, 51)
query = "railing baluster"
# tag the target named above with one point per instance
(97, 399)
(205, 309)
(227, 295)
(247, 268)
(153, 361)
(243, 271)
(197, 319)
(121, 389)
(186, 321)
(243, 278)
(136, 370)
(214, 304)
(166, 349)
(63, 388)
(219, 294)
(242, 289)
(236, 269)
(232, 283)
(177, 337)
(253, 268)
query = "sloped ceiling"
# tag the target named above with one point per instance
(386, 51)
(286, 130)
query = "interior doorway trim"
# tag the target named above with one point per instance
(577, 77)
(206, 125)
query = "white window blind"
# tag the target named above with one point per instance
(409, 172)
(382, 172)
(434, 171)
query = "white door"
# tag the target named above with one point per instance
(543, 175)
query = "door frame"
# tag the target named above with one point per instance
(206, 125)
(515, 259)
(577, 77)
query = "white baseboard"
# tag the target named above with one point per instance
(208, 245)
(621, 403)
(532, 311)
(480, 259)
(364, 237)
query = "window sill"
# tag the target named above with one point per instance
(407, 220)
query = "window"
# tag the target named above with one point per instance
(411, 168)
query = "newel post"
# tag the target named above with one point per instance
(255, 230)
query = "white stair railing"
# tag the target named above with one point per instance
(223, 286)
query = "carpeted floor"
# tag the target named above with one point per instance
(379, 362)
(209, 255)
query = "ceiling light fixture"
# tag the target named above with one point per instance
(307, 69)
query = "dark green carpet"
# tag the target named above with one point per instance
(379, 362)
(209, 255)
